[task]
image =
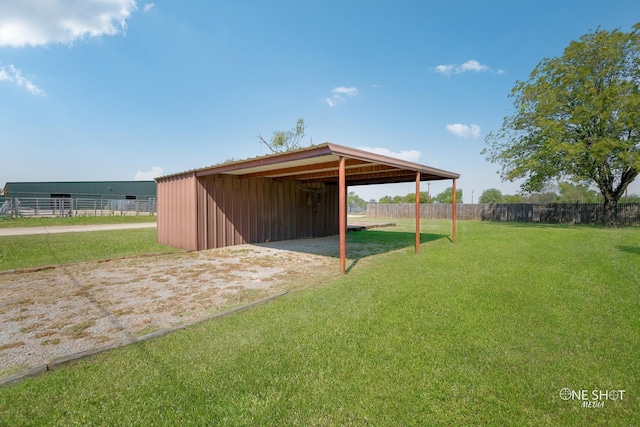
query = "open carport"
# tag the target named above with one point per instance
(292, 195)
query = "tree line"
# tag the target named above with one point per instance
(563, 192)
(355, 201)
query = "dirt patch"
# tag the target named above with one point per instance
(73, 308)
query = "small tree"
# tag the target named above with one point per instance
(447, 196)
(541, 197)
(577, 118)
(355, 202)
(513, 198)
(425, 197)
(492, 195)
(408, 198)
(572, 193)
(282, 141)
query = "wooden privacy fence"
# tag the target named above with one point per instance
(550, 213)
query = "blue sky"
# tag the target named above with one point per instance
(122, 90)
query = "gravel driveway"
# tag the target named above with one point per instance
(73, 308)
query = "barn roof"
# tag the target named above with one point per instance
(319, 163)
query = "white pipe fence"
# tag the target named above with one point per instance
(67, 207)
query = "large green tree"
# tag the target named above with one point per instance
(577, 118)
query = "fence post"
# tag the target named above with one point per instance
(454, 202)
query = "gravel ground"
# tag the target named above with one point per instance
(72, 308)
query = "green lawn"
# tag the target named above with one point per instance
(76, 220)
(486, 331)
(38, 250)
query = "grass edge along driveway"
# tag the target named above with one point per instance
(487, 331)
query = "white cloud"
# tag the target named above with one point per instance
(40, 22)
(350, 91)
(149, 6)
(471, 65)
(339, 95)
(464, 131)
(445, 69)
(408, 155)
(331, 102)
(155, 172)
(13, 75)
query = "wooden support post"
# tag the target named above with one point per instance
(417, 212)
(454, 213)
(342, 195)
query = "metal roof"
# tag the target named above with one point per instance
(319, 163)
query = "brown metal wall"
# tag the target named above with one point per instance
(234, 211)
(177, 211)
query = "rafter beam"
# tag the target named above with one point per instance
(296, 171)
(351, 173)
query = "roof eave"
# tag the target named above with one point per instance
(321, 150)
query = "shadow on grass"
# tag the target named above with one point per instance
(360, 244)
(392, 239)
(629, 249)
(372, 242)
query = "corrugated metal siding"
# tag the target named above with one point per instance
(233, 211)
(177, 212)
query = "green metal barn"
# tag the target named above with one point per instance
(128, 190)
(88, 198)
